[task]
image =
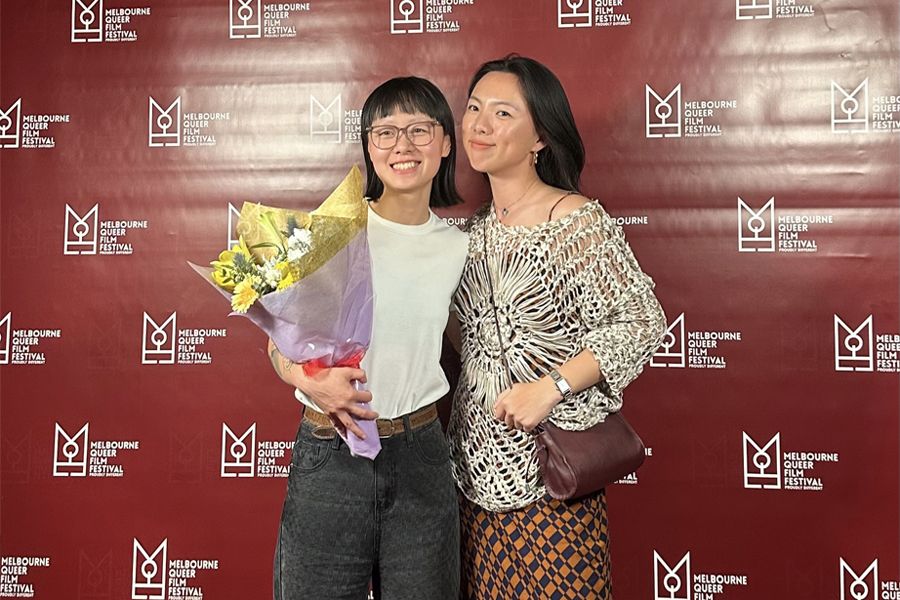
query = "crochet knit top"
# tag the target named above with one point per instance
(560, 287)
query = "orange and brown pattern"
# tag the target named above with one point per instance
(549, 550)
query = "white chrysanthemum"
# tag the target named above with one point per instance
(298, 244)
(270, 273)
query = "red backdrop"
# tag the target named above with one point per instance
(750, 148)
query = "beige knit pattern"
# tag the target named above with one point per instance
(561, 287)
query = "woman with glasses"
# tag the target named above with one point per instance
(394, 519)
(556, 319)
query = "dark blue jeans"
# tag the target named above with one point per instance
(347, 520)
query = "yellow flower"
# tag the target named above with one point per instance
(287, 280)
(222, 276)
(244, 296)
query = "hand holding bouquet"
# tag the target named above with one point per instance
(306, 280)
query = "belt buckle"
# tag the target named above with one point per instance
(393, 427)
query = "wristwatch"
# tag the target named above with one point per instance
(561, 384)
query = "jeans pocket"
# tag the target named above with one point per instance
(431, 445)
(310, 456)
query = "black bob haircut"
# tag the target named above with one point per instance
(561, 161)
(412, 95)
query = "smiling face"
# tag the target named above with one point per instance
(497, 129)
(407, 167)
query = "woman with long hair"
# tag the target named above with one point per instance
(556, 318)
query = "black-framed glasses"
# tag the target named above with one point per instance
(386, 137)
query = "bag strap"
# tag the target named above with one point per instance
(490, 280)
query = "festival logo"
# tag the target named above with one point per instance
(407, 16)
(762, 464)
(19, 129)
(148, 572)
(234, 215)
(159, 341)
(853, 346)
(11, 125)
(91, 23)
(15, 572)
(70, 452)
(680, 582)
(245, 456)
(87, 20)
(766, 467)
(756, 231)
(81, 232)
(753, 9)
(23, 346)
(238, 452)
(245, 18)
(850, 109)
(862, 586)
(671, 583)
(671, 351)
(325, 119)
(663, 113)
(587, 13)
(573, 13)
(165, 124)
(156, 577)
(5, 338)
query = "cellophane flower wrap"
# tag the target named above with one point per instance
(319, 312)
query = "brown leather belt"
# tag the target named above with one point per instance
(324, 428)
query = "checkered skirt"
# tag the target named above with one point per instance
(549, 550)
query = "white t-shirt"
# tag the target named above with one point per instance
(415, 271)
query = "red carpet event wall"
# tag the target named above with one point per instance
(749, 148)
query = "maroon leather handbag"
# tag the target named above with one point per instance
(577, 463)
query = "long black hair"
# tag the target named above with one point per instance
(561, 161)
(412, 95)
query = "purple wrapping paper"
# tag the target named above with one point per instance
(326, 316)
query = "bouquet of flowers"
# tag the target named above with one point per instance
(305, 279)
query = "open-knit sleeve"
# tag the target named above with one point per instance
(622, 321)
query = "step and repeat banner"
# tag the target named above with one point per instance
(749, 148)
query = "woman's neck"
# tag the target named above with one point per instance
(406, 208)
(509, 188)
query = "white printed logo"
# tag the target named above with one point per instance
(574, 13)
(70, 453)
(663, 115)
(853, 347)
(671, 351)
(164, 127)
(5, 338)
(11, 125)
(234, 215)
(238, 456)
(325, 119)
(756, 228)
(407, 16)
(850, 110)
(245, 19)
(753, 9)
(148, 572)
(87, 20)
(159, 341)
(81, 232)
(762, 470)
(671, 583)
(859, 587)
